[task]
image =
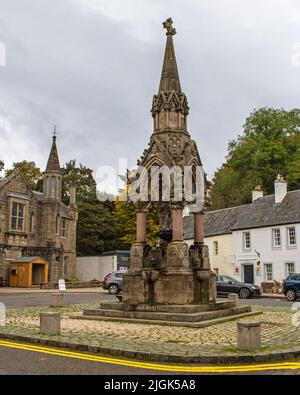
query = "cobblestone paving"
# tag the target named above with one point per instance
(278, 332)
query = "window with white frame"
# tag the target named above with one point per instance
(276, 237)
(291, 236)
(290, 268)
(247, 240)
(216, 247)
(17, 216)
(63, 227)
(268, 272)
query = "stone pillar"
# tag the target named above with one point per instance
(248, 335)
(198, 228)
(177, 220)
(58, 300)
(141, 225)
(50, 323)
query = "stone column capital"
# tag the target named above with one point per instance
(141, 207)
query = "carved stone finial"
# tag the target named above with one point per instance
(168, 24)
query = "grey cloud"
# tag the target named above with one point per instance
(93, 72)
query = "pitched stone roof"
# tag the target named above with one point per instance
(53, 161)
(262, 212)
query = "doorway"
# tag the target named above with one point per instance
(249, 274)
(38, 274)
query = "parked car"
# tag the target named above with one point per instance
(291, 286)
(227, 285)
(113, 282)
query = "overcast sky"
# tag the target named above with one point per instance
(92, 66)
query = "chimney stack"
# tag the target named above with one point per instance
(257, 193)
(72, 196)
(280, 187)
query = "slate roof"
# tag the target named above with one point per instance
(26, 259)
(263, 212)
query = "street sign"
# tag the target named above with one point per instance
(62, 285)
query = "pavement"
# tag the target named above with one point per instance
(278, 332)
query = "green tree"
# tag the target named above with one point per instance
(269, 145)
(31, 173)
(125, 215)
(96, 229)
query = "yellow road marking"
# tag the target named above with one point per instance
(152, 366)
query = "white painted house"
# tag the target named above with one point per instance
(257, 242)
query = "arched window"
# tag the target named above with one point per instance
(57, 226)
(31, 222)
(47, 185)
(53, 187)
(58, 187)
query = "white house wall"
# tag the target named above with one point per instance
(262, 251)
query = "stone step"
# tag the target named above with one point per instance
(202, 324)
(168, 316)
(189, 309)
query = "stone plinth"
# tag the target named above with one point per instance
(248, 336)
(50, 323)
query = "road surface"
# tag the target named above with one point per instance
(44, 361)
(40, 299)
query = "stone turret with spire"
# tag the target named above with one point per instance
(170, 106)
(52, 184)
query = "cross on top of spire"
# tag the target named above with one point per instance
(168, 25)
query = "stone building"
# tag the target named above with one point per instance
(38, 224)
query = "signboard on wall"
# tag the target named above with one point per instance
(258, 269)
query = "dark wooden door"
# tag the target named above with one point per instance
(249, 274)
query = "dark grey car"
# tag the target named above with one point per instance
(113, 282)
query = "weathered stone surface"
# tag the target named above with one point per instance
(248, 336)
(41, 234)
(50, 323)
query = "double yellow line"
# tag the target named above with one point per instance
(152, 366)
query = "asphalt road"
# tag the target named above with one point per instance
(24, 362)
(39, 299)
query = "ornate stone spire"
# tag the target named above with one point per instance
(170, 107)
(169, 78)
(53, 161)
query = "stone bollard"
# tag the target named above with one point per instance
(248, 335)
(233, 298)
(58, 300)
(50, 323)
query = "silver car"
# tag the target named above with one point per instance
(113, 282)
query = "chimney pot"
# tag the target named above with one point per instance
(280, 187)
(257, 193)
